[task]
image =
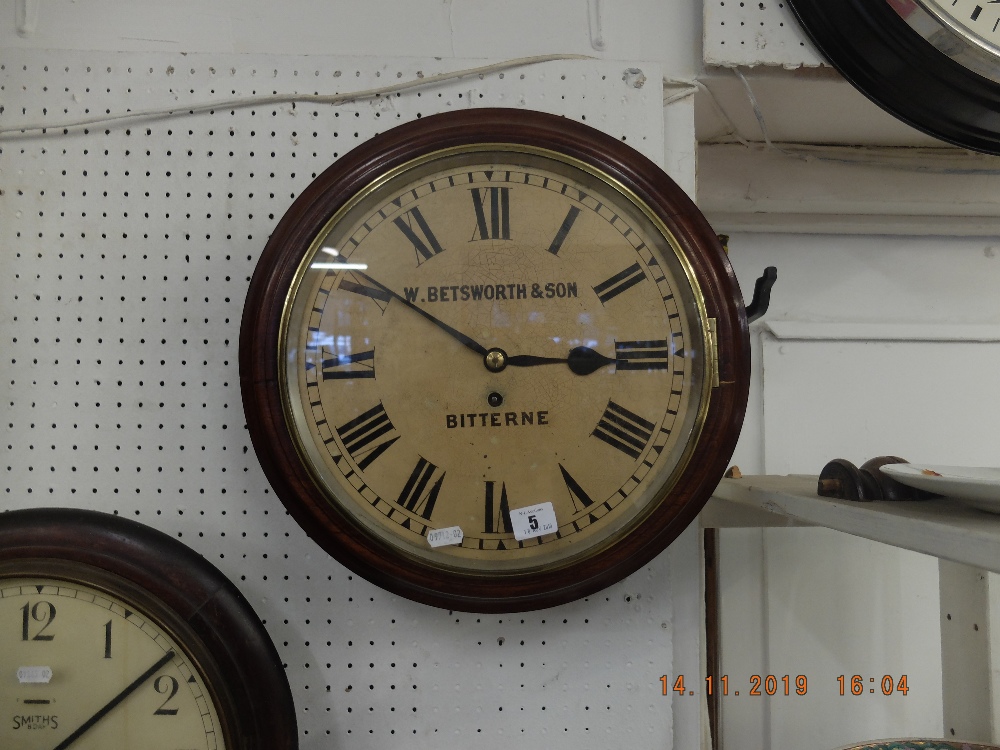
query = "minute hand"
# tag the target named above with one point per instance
(114, 702)
(582, 360)
(457, 335)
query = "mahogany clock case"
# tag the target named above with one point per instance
(273, 436)
(167, 581)
(883, 57)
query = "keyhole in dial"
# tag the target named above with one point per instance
(494, 399)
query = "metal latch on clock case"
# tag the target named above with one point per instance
(754, 311)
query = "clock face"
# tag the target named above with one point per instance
(72, 650)
(934, 64)
(114, 636)
(481, 372)
(530, 258)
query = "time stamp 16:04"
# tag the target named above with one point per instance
(773, 685)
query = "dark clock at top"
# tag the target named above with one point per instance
(494, 360)
(934, 64)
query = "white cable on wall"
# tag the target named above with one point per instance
(252, 101)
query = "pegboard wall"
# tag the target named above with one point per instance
(755, 32)
(125, 253)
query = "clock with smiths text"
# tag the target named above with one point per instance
(494, 360)
(117, 636)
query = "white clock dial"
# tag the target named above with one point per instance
(968, 31)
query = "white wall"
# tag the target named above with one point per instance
(667, 32)
(873, 345)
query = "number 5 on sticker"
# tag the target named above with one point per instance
(534, 520)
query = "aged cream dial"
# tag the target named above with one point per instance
(496, 330)
(115, 636)
(86, 669)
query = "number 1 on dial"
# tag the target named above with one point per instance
(563, 232)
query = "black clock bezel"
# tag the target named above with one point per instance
(889, 62)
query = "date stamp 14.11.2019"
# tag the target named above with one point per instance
(790, 685)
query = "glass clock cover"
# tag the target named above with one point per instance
(491, 361)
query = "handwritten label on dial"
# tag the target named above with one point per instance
(34, 675)
(533, 520)
(443, 537)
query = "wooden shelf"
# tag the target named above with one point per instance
(943, 527)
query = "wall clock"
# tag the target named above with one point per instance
(117, 636)
(493, 360)
(934, 64)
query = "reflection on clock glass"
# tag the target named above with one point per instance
(484, 331)
(980, 19)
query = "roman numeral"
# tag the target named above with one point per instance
(347, 366)
(623, 430)
(608, 290)
(642, 355)
(567, 224)
(497, 510)
(492, 207)
(380, 297)
(414, 227)
(361, 436)
(576, 492)
(415, 496)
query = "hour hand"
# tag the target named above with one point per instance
(581, 360)
(460, 337)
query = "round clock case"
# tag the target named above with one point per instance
(493, 360)
(932, 64)
(118, 636)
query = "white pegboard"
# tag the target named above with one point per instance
(755, 32)
(125, 254)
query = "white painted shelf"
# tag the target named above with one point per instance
(942, 527)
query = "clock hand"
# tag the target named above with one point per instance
(582, 360)
(457, 335)
(110, 705)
